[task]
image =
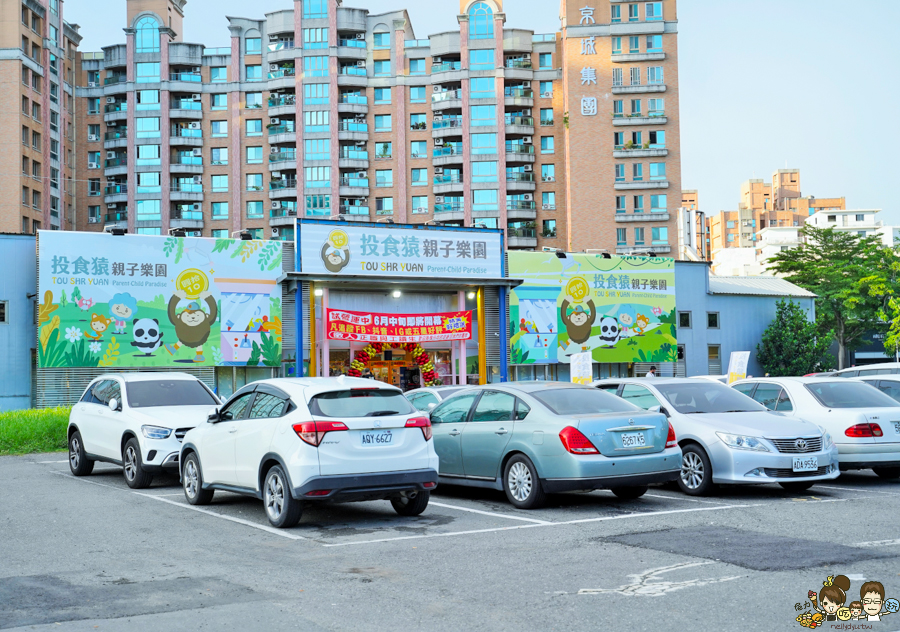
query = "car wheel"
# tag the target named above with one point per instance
(630, 493)
(887, 472)
(78, 462)
(521, 483)
(796, 488)
(133, 466)
(192, 481)
(696, 471)
(406, 506)
(282, 509)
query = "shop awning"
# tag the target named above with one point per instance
(418, 283)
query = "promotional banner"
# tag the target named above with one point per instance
(370, 327)
(142, 300)
(388, 250)
(737, 365)
(582, 368)
(620, 309)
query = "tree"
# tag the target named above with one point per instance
(832, 265)
(792, 344)
(883, 285)
(76, 294)
(63, 301)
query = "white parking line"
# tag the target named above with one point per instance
(246, 523)
(686, 499)
(488, 513)
(647, 514)
(63, 461)
(877, 543)
(857, 489)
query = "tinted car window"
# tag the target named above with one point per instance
(360, 403)
(848, 394)
(235, 409)
(267, 406)
(494, 406)
(744, 388)
(421, 401)
(100, 392)
(168, 393)
(890, 388)
(785, 405)
(767, 394)
(454, 410)
(522, 410)
(582, 401)
(609, 388)
(865, 372)
(447, 392)
(89, 397)
(707, 397)
(639, 396)
(114, 392)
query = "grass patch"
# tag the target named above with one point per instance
(33, 430)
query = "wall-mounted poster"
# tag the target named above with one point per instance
(620, 309)
(141, 300)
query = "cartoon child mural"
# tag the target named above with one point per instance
(856, 610)
(832, 596)
(627, 317)
(98, 326)
(122, 307)
(192, 325)
(872, 596)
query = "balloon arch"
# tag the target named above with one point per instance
(420, 357)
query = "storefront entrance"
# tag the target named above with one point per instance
(395, 367)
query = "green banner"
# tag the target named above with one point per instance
(620, 309)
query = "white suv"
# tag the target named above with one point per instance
(136, 420)
(292, 440)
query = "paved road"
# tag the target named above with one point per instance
(91, 554)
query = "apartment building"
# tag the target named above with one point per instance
(323, 110)
(37, 71)
(774, 204)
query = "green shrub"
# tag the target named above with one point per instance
(32, 430)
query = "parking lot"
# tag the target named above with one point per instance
(90, 553)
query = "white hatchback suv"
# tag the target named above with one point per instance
(288, 441)
(136, 420)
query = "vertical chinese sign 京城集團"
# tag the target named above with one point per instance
(141, 300)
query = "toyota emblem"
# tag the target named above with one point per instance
(631, 421)
(801, 444)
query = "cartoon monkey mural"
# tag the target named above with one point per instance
(578, 324)
(333, 259)
(192, 325)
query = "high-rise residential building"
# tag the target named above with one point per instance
(774, 204)
(37, 73)
(323, 110)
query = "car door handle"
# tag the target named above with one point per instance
(502, 431)
(454, 433)
(232, 430)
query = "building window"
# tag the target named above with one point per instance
(317, 149)
(657, 139)
(547, 146)
(148, 155)
(254, 182)
(254, 155)
(484, 200)
(218, 73)
(481, 21)
(615, 14)
(545, 61)
(660, 235)
(617, 46)
(617, 77)
(147, 72)
(219, 209)
(147, 100)
(417, 94)
(382, 122)
(419, 204)
(655, 75)
(148, 183)
(484, 171)
(315, 38)
(382, 96)
(657, 171)
(712, 320)
(318, 205)
(634, 44)
(148, 211)
(635, 76)
(653, 11)
(417, 66)
(382, 68)
(147, 127)
(315, 66)
(253, 46)
(481, 59)
(384, 150)
(620, 172)
(546, 117)
(483, 144)
(482, 88)
(384, 206)
(684, 320)
(220, 184)
(657, 203)
(637, 172)
(548, 200)
(316, 121)
(219, 156)
(219, 129)
(546, 89)
(417, 122)
(254, 127)
(254, 73)
(220, 233)
(548, 173)
(317, 177)
(419, 177)
(633, 13)
(219, 102)
(483, 115)
(654, 43)
(620, 204)
(638, 236)
(621, 236)
(382, 40)
(418, 149)
(384, 178)
(715, 361)
(549, 228)
(860, 218)
(146, 38)
(315, 8)
(638, 203)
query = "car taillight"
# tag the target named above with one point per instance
(575, 442)
(670, 440)
(318, 492)
(421, 422)
(864, 430)
(312, 432)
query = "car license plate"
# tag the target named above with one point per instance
(381, 437)
(807, 464)
(633, 440)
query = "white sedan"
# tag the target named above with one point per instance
(864, 422)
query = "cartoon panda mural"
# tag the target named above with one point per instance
(610, 331)
(147, 336)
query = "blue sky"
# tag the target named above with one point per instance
(765, 84)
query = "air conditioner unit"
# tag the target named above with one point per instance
(437, 119)
(112, 124)
(528, 168)
(436, 89)
(546, 95)
(197, 207)
(438, 199)
(196, 233)
(528, 140)
(360, 64)
(193, 125)
(276, 175)
(196, 152)
(438, 171)
(112, 206)
(360, 36)
(196, 97)
(274, 150)
(92, 84)
(528, 197)
(275, 231)
(110, 155)
(361, 174)
(198, 180)
(93, 165)
(276, 204)
(274, 121)
(195, 69)
(549, 178)
(110, 100)
(421, 209)
(549, 207)
(93, 137)
(273, 67)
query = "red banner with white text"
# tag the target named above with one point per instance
(342, 324)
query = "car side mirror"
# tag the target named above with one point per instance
(213, 416)
(114, 404)
(431, 406)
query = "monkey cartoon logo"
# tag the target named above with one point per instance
(192, 324)
(336, 251)
(578, 324)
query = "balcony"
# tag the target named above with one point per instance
(354, 212)
(283, 160)
(519, 152)
(625, 57)
(116, 167)
(186, 164)
(646, 151)
(186, 137)
(115, 79)
(186, 77)
(285, 215)
(280, 51)
(642, 217)
(352, 49)
(452, 211)
(640, 120)
(446, 66)
(282, 105)
(519, 69)
(634, 186)
(449, 153)
(451, 182)
(352, 76)
(521, 237)
(117, 219)
(283, 133)
(351, 103)
(522, 63)
(186, 109)
(520, 181)
(115, 193)
(116, 139)
(519, 96)
(351, 186)
(655, 87)
(115, 111)
(186, 191)
(444, 127)
(523, 125)
(351, 158)
(180, 218)
(446, 100)
(350, 129)
(643, 250)
(281, 73)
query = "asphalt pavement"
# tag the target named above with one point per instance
(92, 554)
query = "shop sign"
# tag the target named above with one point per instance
(737, 365)
(151, 301)
(620, 309)
(386, 251)
(371, 327)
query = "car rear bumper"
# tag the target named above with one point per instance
(553, 485)
(859, 456)
(355, 487)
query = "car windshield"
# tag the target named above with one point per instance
(447, 392)
(168, 393)
(379, 402)
(582, 401)
(849, 394)
(707, 397)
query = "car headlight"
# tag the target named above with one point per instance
(827, 441)
(155, 432)
(740, 442)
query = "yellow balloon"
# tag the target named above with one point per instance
(843, 613)
(192, 282)
(578, 289)
(338, 238)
